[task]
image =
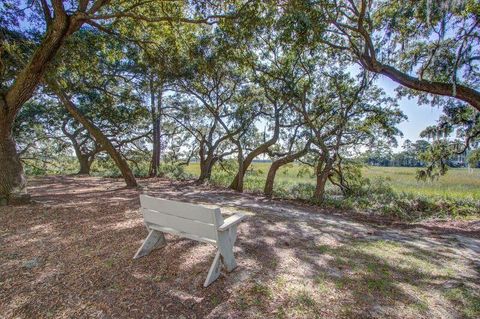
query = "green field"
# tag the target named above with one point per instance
(459, 183)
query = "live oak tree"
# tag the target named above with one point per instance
(155, 53)
(100, 94)
(342, 113)
(252, 143)
(463, 122)
(213, 109)
(262, 57)
(208, 139)
(86, 148)
(42, 123)
(293, 146)
(275, 74)
(40, 141)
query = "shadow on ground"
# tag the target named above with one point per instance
(69, 255)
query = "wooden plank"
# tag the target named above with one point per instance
(184, 210)
(186, 235)
(183, 225)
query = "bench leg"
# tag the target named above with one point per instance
(223, 256)
(214, 271)
(226, 240)
(154, 240)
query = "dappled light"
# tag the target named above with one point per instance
(295, 260)
(239, 159)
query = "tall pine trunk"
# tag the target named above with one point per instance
(156, 111)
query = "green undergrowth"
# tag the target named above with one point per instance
(376, 194)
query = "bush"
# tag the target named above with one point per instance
(302, 191)
(174, 171)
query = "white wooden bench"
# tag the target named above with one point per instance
(191, 221)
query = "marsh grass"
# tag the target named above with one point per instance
(391, 191)
(458, 183)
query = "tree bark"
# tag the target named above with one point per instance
(156, 111)
(206, 167)
(237, 183)
(30, 76)
(12, 179)
(85, 160)
(97, 134)
(322, 172)
(85, 164)
(457, 91)
(272, 172)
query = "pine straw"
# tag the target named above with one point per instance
(69, 255)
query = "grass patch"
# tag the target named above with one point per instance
(255, 294)
(467, 300)
(459, 183)
(304, 299)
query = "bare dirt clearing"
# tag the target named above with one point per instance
(69, 255)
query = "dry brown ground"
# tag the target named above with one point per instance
(69, 255)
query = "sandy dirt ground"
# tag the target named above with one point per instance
(69, 255)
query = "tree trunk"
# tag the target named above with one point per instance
(84, 160)
(323, 172)
(272, 172)
(155, 166)
(156, 111)
(98, 136)
(237, 183)
(12, 179)
(206, 167)
(85, 164)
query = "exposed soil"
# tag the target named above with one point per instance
(69, 255)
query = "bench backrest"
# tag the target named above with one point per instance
(187, 220)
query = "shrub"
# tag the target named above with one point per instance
(174, 171)
(302, 190)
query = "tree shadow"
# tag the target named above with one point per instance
(292, 261)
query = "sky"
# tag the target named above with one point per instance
(419, 116)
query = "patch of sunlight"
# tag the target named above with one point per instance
(123, 225)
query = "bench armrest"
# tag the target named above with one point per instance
(230, 221)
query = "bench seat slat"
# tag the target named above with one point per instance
(182, 225)
(184, 210)
(185, 235)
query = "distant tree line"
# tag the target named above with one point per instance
(413, 155)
